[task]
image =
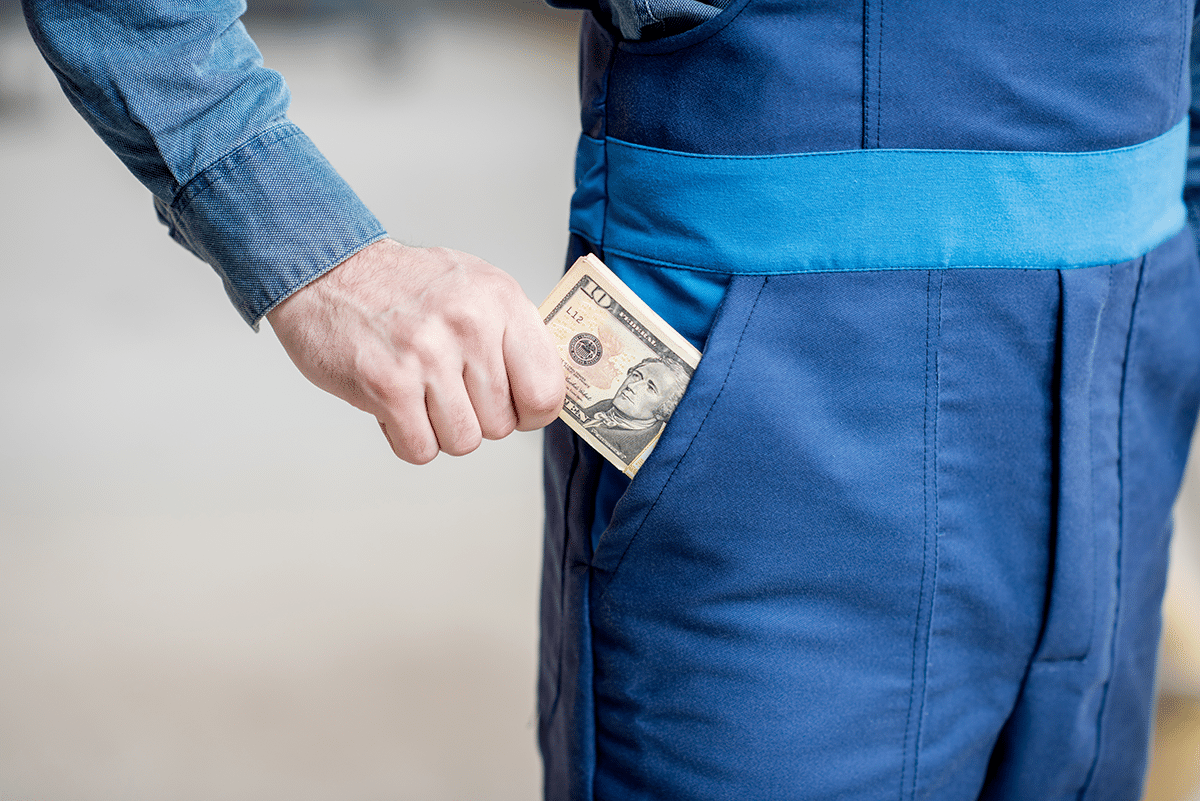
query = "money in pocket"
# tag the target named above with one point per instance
(626, 368)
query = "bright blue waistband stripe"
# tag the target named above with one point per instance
(880, 209)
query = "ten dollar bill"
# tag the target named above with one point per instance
(626, 368)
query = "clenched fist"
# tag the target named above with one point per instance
(442, 347)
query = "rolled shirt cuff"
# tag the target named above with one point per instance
(270, 217)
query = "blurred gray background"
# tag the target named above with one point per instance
(216, 582)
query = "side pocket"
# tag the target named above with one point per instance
(1089, 371)
(664, 27)
(684, 426)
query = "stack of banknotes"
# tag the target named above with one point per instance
(626, 369)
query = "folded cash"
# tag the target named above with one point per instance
(626, 368)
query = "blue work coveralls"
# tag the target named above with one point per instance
(906, 533)
(905, 536)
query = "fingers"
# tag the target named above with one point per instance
(491, 399)
(455, 422)
(535, 372)
(441, 347)
(512, 375)
(459, 413)
(458, 406)
(494, 393)
(408, 431)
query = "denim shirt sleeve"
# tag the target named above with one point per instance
(177, 89)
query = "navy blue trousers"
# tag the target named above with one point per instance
(905, 536)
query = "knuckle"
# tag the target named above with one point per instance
(387, 391)
(462, 442)
(459, 433)
(469, 323)
(431, 346)
(546, 399)
(419, 447)
(497, 389)
(421, 455)
(499, 429)
(505, 285)
(411, 447)
(383, 381)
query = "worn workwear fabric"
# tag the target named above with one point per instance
(905, 535)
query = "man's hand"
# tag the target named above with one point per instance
(442, 347)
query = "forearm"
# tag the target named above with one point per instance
(177, 89)
(441, 347)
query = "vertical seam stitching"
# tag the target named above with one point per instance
(572, 474)
(866, 79)
(908, 719)
(879, 82)
(1137, 296)
(872, 67)
(1183, 52)
(937, 338)
(612, 61)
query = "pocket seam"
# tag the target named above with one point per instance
(685, 39)
(605, 577)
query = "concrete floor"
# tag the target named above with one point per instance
(215, 581)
